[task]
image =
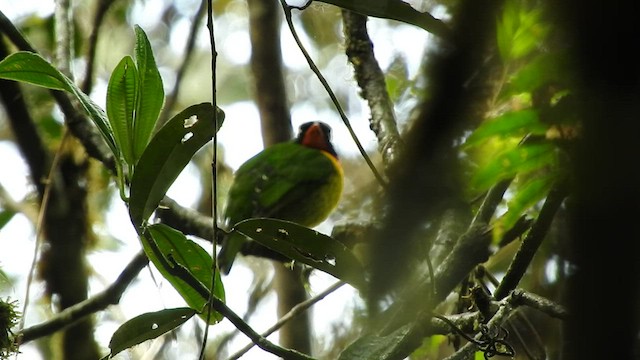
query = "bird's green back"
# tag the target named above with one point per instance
(286, 181)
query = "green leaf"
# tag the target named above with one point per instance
(31, 68)
(526, 196)
(546, 68)
(515, 123)
(395, 10)
(167, 154)
(175, 247)
(121, 101)
(305, 245)
(5, 217)
(146, 327)
(151, 94)
(508, 164)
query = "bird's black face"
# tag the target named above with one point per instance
(326, 130)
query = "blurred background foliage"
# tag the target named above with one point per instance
(521, 131)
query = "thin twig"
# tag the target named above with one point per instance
(172, 97)
(296, 310)
(531, 242)
(334, 99)
(40, 224)
(98, 20)
(214, 177)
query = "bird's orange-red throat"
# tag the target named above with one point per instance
(317, 135)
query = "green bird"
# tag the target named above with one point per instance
(299, 181)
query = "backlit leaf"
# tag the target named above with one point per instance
(146, 327)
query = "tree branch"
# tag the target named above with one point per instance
(334, 99)
(98, 20)
(359, 50)
(172, 97)
(110, 296)
(531, 242)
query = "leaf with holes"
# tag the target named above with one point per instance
(305, 245)
(147, 326)
(168, 248)
(166, 156)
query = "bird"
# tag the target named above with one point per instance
(299, 181)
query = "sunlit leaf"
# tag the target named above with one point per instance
(166, 156)
(508, 164)
(33, 69)
(395, 10)
(146, 327)
(305, 245)
(515, 123)
(546, 68)
(175, 247)
(151, 94)
(122, 92)
(519, 31)
(526, 196)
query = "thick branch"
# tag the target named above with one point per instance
(110, 296)
(359, 50)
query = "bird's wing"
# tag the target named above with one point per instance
(275, 180)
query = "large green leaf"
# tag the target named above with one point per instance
(521, 159)
(31, 68)
(395, 10)
(514, 123)
(146, 327)
(305, 245)
(122, 93)
(174, 248)
(167, 154)
(151, 94)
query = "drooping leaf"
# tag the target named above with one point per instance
(151, 94)
(176, 248)
(122, 93)
(515, 123)
(508, 164)
(166, 156)
(305, 245)
(31, 68)
(395, 10)
(146, 327)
